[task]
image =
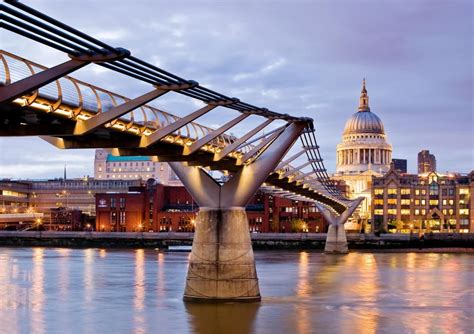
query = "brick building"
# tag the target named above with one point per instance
(156, 207)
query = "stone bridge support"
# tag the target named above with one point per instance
(222, 266)
(336, 240)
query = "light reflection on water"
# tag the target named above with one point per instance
(139, 291)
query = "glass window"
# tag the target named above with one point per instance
(378, 191)
(417, 191)
(405, 212)
(392, 191)
(405, 191)
(434, 188)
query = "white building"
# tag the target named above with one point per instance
(362, 154)
(109, 167)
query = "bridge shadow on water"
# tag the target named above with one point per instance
(222, 318)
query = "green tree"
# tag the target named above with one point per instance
(297, 225)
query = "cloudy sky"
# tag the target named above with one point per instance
(304, 58)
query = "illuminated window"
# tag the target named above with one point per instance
(378, 212)
(417, 191)
(423, 211)
(417, 202)
(433, 178)
(405, 202)
(463, 211)
(417, 212)
(392, 201)
(434, 202)
(378, 202)
(392, 211)
(445, 212)
(378, 191)
(392, 191)
(445, 202)
(463, 191)
(405, 191)
(451, 211)
(405, 211)
(423, 202)
(423, 191)
(451, 202)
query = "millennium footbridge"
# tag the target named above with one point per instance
(72, 114)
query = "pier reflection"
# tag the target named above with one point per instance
(232, 318)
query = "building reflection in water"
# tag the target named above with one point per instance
(421, 279)
(161, 276)
(37, 291)
(88, 279)
(139, 297)
(232, 318)
(11, 295)
(63, 272)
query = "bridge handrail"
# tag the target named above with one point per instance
(86, 105)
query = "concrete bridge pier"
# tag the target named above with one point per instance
(221, 265)
(336, 240)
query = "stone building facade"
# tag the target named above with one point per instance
(430, 202)
(363, 154)
(109, 167)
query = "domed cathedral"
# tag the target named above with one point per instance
(363, 153)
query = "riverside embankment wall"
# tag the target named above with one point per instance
(260, 241)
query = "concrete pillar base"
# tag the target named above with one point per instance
(221, 265)
(336, 241)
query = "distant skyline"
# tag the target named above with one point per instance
(303, 58)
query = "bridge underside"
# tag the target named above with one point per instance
(58, 130)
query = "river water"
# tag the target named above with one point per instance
(56, 290)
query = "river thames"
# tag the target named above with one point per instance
(57, 290)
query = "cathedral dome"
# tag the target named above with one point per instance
(364, 144)
(364, 122)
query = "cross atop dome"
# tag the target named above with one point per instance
(364, 98)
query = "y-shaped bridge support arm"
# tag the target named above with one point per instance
(336, 240)
(222, 265)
